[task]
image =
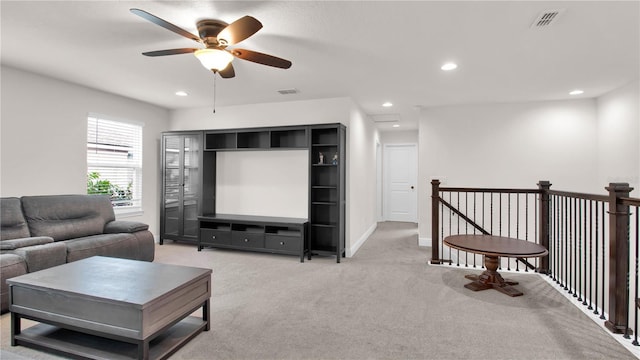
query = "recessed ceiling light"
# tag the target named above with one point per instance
(396, 125)
(576, 92)
(181, 93)
(449, 66)
(387, 104)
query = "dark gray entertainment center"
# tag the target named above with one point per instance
(188, 207)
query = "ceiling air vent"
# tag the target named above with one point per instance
(385, 118)
(547, 18)
(288, 91)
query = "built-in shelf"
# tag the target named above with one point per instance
(277, 138)
(253, 140)
(325, 232)
(327, 195)
(289, 139)
(219, 141)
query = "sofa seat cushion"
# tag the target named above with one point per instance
(12, 222)
(24, 242)
(67, 216)
(114, 245)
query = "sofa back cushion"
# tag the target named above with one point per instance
(65, 217)
(12, 222)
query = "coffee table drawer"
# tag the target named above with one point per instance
(247, 239)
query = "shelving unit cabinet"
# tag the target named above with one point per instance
(327, 198)
(188, 210)
(182, 160)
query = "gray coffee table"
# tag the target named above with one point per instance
(109, 308)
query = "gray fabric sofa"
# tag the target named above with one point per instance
(38, 232)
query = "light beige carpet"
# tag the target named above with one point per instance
(386, 302)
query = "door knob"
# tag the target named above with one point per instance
(411, 187)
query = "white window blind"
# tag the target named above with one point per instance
(114, 161)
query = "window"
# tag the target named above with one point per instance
(114, 161)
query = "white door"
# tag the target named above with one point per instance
(400, 198)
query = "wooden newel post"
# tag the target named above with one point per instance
(435, 221)
(618, 259)
(543, 227)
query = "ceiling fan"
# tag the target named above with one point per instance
(216, 36)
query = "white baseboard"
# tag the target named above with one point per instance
(354, 248)
(423, 241)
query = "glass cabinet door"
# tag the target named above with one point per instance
(172, 185)
(191, 187)
(181, 185)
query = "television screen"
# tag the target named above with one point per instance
(266, 183)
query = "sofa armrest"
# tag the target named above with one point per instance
(44, 256)
(13, 244)
(121, 226)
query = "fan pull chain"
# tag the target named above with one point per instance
(214, 92)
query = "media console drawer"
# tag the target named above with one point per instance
(268, 234)
(247, 239)
(286, 243)
(211, 236)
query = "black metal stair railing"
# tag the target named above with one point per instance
(488, 211)
(578, 241)
(592, 241)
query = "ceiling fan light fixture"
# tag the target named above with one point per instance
(213, 59)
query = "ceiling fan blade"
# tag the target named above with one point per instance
(169, 52)
(227, 72)
(165, 24)
(239, 30)
(261, 58)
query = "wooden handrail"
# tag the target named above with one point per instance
(577, 195)
(491, 190)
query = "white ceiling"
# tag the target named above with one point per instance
(371, 51)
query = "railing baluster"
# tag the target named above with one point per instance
(579, 241)
(491, 214)
(466, 227)
(508, 226)
(553, 255)
(458, 207)
(635, 298)
(499, 214)
(604, 260)
(483, 210)
(475, 220)
(517, 227)
(576, 249)
(587, 255)
(556, 239)
(591, 293)
(441, 243)
(566, 244)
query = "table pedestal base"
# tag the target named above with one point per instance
(490, 279)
